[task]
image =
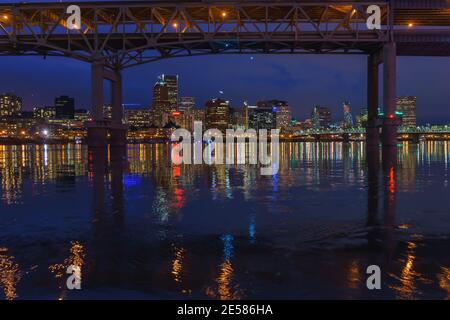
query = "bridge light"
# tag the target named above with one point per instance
(5, 17)
(224, 14)
(175, 25)
(410, 25)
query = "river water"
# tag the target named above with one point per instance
(142, 228)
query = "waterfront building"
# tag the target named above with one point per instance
(283, 115)
(65, 107)
(137, 118)
(217, 114)
(407, 107)
(44, 113)
(263, 116)
(321, 117)
(361, 118)
(348, 118)
(82, 115)
(10, 105)
(165, 99)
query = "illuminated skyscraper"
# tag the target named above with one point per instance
(217, 114)
(263, 116)
(348, 118)
(161, 102)
(283, 115)
(165, 99)
(172, 90)
(407, 106)
(10, 104)
(321, 117)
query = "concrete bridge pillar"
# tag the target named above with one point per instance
(372, 130)
(96, 129)
(101, 131)
(390, 122)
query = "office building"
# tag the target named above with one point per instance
(165, 99)
(186, 104)
(137, 118)
(407, 107)
(10, 105)
(348, 118)
(217, 114)
(263, 116)
(283, 115)
(65, 107)
(321, 117)
(44, 113)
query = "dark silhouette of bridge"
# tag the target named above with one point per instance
(122, 34)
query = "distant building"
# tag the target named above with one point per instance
(321, 117)
(165, 99)
(65, 107)
(300, 126)
(240, 118)
(263, 116)
(137, 118)
(197, 114)
(407, 106)
(348, 118)
(172, 86)
(283, 115)
(361, 118)
(186, 104)
(217, 114)
(44, 113)
(10, 105)
(82, 115)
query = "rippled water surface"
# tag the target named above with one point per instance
(141, 228)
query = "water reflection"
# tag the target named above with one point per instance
(142, 227)
(9, 274)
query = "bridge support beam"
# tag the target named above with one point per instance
(100, 131)
(372, 129)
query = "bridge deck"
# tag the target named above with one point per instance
(127, 33)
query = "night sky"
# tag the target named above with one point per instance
(302, 80)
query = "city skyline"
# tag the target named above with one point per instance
(138, 83)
